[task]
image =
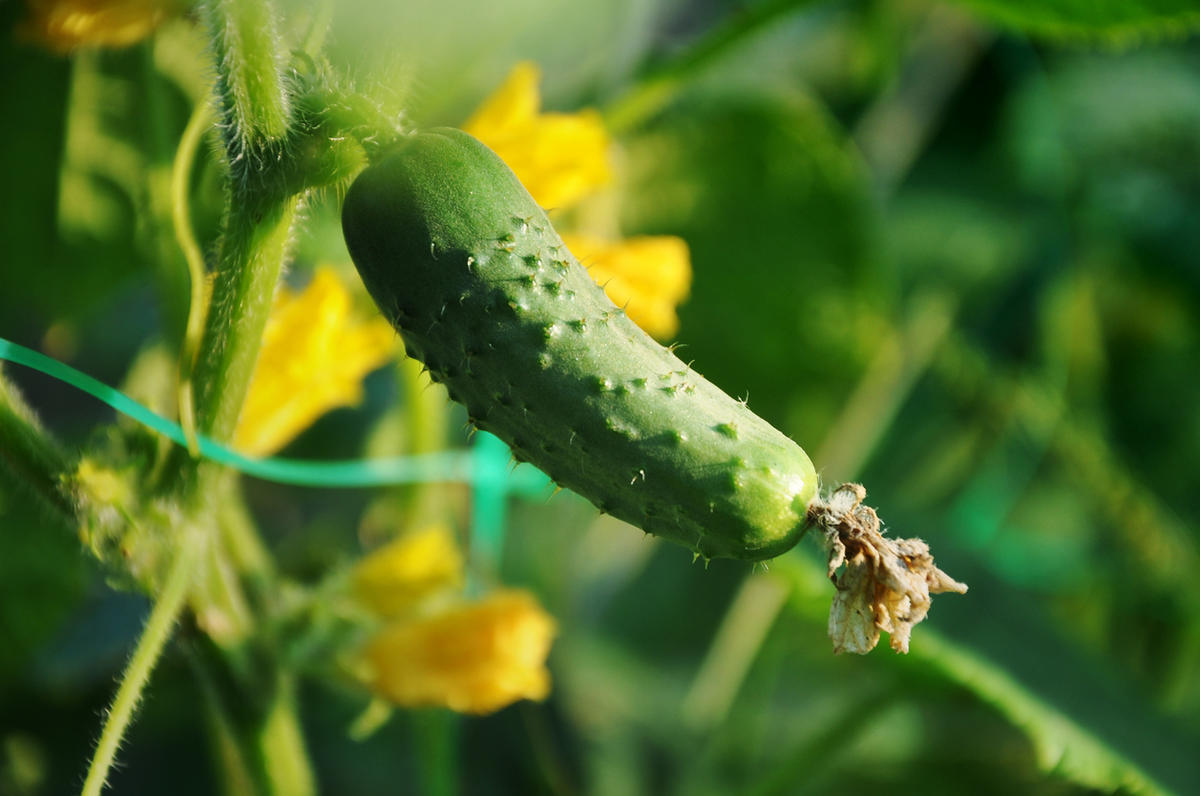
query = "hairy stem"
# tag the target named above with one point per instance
(256, 116)
(251, 85)
(255, 110)
(154, 637)
(251, 258)
(29, 456)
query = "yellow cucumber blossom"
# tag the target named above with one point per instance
(648, 276)
(66, 25)
(436, 649)
(560, 157)
(397, 576)
(473, 657)
(313, 359)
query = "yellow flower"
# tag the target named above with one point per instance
(648, 276)
(474, 658)
(563, 157)
(65, 25)
(560, 157)
(394, 578)
(313, 359)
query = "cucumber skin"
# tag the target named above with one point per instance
(467, 267)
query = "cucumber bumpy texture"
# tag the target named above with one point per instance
(469, 270)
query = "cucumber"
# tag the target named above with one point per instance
(467, 267)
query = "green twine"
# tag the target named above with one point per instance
(485, 468)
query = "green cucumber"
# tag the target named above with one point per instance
(467, 267)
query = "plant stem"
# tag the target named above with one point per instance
(251, 258)
(814, 757)
(251, 83)
(154, 637)
(31, 457)
(318, 26)
(653, 92)
(255, 113)
(218, 599)
(256, 732)
(425, 409)
(281, 742)
(159, 136)
(894, 129)
(256, 116)
(435, 737)
(238, 777)
(240, 538)
(743, 630)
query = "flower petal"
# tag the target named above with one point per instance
(648, 276)
(394, 578)
(66, 25)
(474, 658)
(559, 157)
(313, 359)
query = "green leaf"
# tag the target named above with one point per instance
(1012, 663)
(776, 208)
(1115, 20)
(1062, 745)
(42, 578)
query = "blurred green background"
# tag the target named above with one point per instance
(950, 248)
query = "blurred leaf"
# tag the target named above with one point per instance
(1137, 108)
(776, 208)
(1064, 747)
(1105, 739)
(1110, 19)
(577, 44)
(1119, 136)
(33, 97)
(42, 578)
(961, 241)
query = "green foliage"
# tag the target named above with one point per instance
(43, 577)
(1009, 320)
(802, 236)
(1112, 20)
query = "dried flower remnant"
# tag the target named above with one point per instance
(886, 584)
